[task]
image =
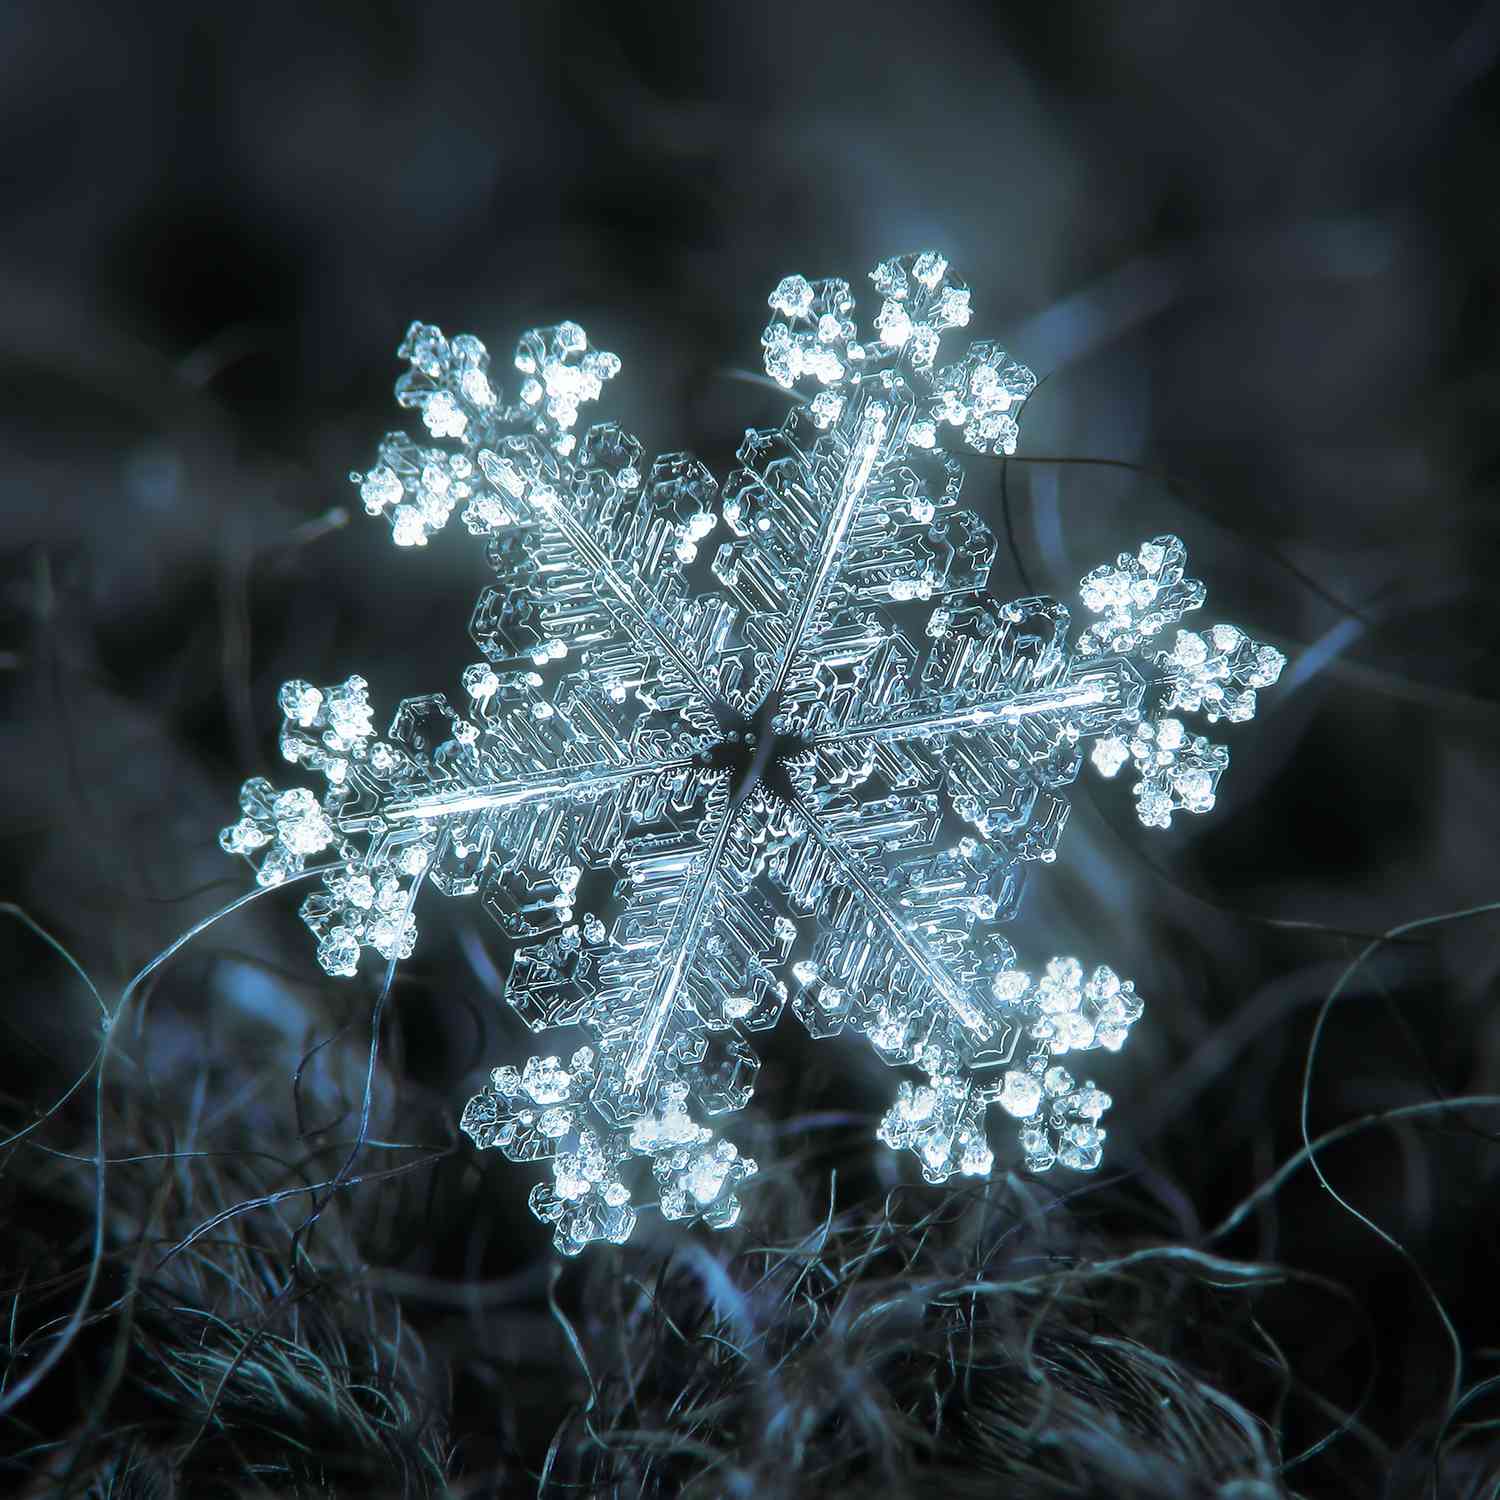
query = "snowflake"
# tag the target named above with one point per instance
(735, 748)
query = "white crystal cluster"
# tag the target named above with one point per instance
(365, 898)
(942, 1121)
(814, 336)
(541, 1112)
(1138, 597)
(278, 830)
(415, 487)
(1179, 772)
(739, 747)
(1216, 673)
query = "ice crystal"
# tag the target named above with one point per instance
(737, 748)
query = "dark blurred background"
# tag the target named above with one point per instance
(1252, 250)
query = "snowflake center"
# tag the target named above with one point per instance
(754, 752)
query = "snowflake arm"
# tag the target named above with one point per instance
(868, 437)
(690, 901)
(640, 613)
(389, 801)
(520, 469)
(894, 943)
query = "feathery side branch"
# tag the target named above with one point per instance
(545, 786)
(647, 614)
(1108, 689)
(856, 477)
(680, 948)
(972, 1013)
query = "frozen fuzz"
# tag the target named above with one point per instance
(733, 747)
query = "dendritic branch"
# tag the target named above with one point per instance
(681, 945)
(974, 1014)
(865, 448)
(645, 617)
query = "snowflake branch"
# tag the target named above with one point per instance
(972, 1014)
(851, 492)
(650, 617)
(681, 945)
(545, 786)
(1110, 689)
